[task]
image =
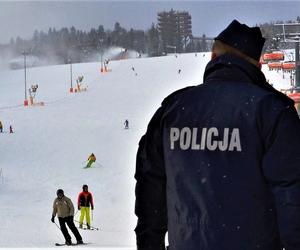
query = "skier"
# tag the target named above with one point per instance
(126, 123)
(1, 127)
(85, 201)
(63, 207)
(91, 160)
(10, 129)
(179, 71)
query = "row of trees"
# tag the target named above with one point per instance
(77, 45)
(80, 46)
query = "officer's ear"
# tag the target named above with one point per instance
(213, 55)
(217, 49)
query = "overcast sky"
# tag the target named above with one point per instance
(22, 18)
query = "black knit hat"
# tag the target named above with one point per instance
(59, 191)
(245, 39)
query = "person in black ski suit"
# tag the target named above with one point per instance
(126, 123)
(219, 165)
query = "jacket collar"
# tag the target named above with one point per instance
(235, 68)
(232, 68)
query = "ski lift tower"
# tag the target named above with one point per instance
(291, 34)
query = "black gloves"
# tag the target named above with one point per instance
(52, 219)
(78, 207)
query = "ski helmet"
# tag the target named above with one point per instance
(60, 192)
(85, 186)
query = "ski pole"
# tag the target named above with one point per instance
(57, 226)
(92, 215)
(99, 164)
(96, 228)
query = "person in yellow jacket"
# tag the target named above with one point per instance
(85, 201)
(91, 160)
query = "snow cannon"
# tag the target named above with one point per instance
(31, 100)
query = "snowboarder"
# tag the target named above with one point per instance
(10, 129)
(126, 123)
(91, 160)
(85, 201)
(63, 207)
(1, 127)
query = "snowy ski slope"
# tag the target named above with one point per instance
(51, 143)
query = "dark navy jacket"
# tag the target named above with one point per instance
(219, 166)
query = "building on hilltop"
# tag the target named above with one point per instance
(175, 28)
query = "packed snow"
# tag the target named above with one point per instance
(51, 143)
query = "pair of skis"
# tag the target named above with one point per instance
(85, 228)
(73, 244)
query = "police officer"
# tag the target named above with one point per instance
(219, 165)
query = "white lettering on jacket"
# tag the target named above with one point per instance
(205, 139)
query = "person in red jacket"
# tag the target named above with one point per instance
(85, 201)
